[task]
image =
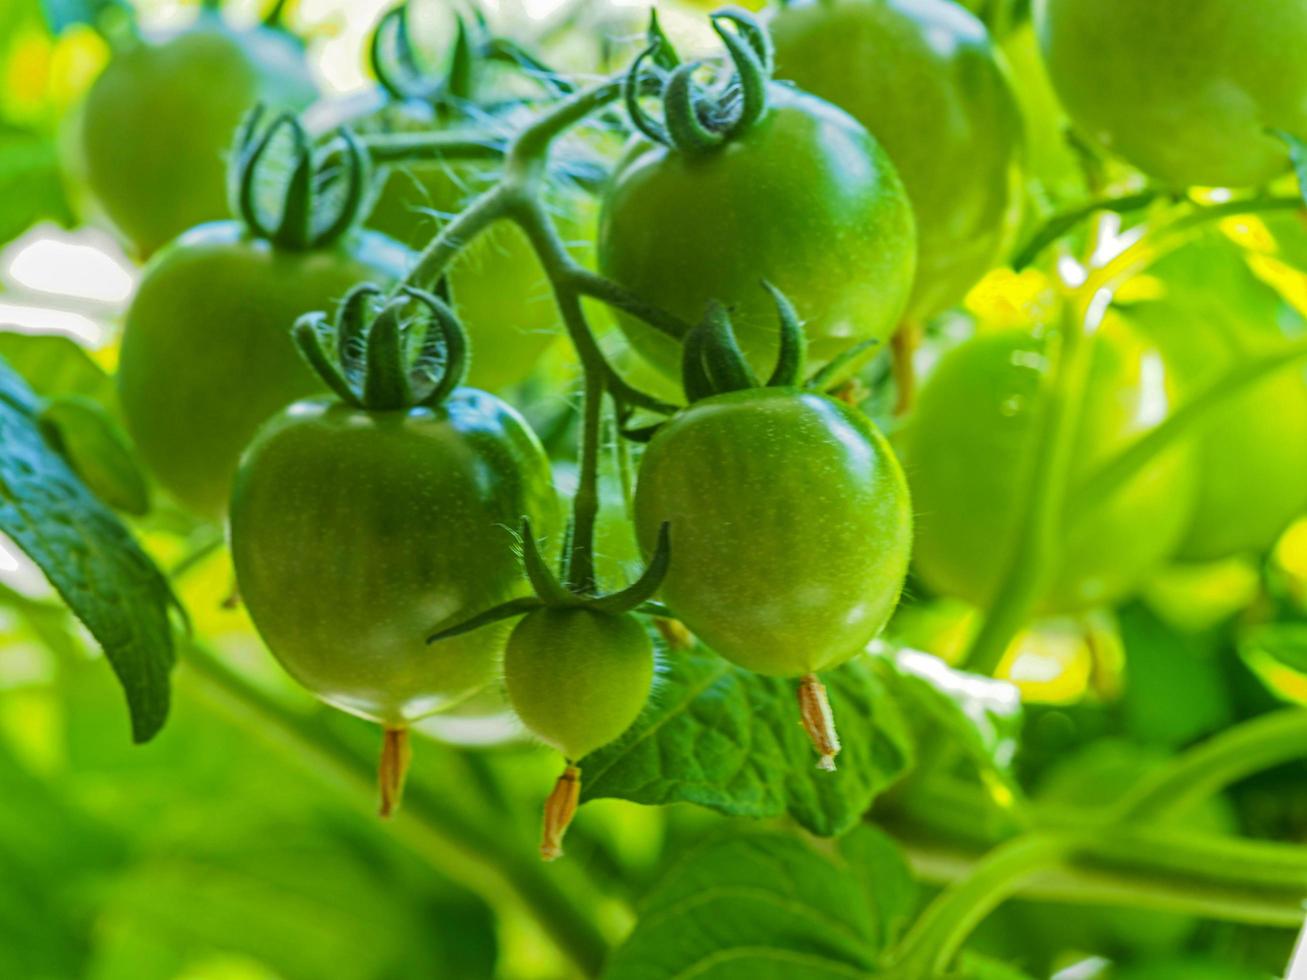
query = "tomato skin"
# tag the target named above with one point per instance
(969, 444)
(207, 353)
(357, 534)
(158, 124)
(790, 526)
(805, 199)
(1183, 89)
(924, 78)
(500, 290)
(578, 678)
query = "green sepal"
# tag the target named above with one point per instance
(546, 585)
(308, 336)
(694, 379)
(646, 586)
(750, 49)
(637, 84)
(833, 372)
(793, 352)
(506, 610)
(385, 374)
(682, 112)
(723, 361)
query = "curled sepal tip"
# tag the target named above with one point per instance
(315, 197)
(819, 721)
(560, 808)
(647, 585)
(698, 118)
(396, 754)
(712, 362)
(386, 354)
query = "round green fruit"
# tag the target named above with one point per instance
(158, 124)
(357, 534)
(207, 353)
(805, 199)
(969, 446)
(924, 78)
(578, 678)
(790, 526)
(1186, 90)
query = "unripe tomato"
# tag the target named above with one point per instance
(790, 526)
(968, 448)
(923, 77)
(806, 199)
(578, 678)
(158, 124)
(500, 291)
(1183, 89)
(207, 353)
(356, 534)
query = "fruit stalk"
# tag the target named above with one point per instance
(560, 808)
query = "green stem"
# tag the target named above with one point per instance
(1085, 881)
(1127, 464)
(465, 848)
(1039, 533)
(408, 147)
(1216, 763)
(457, 235)
(530, 149)
(928, 948)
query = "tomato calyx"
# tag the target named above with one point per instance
(395, 63)
(698, 119)
(386, 354)
(323, 195)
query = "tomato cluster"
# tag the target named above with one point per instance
(383, 516)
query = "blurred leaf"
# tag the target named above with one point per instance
(1188, 968)
(53, 365)
(31, 187)
(981, 714)
(763, 906)
(972, 966)
(97, 450)
(63, 14)
(1286, 643)
(1164, 667)
(89, 557)
(1297, 155)
(726, 738)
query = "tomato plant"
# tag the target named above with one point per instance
(159, 122)
(926, 81)
(1216, 81)
(801, 195)
(213, 313)
(1028, 584)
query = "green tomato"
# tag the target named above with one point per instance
(790, 526)
(969, 445)
(806, 199)
(207, 354)
(357, 534)
(501, 293)
(1183, 89)
(578, 678)
(924, 78)
(158, 124)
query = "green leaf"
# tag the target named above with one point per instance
(764, 906)
(89, 557)
(981, 714)
(722, 737)
(97, 450)
(1286, 643)
(53, 365)
(31, 186)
